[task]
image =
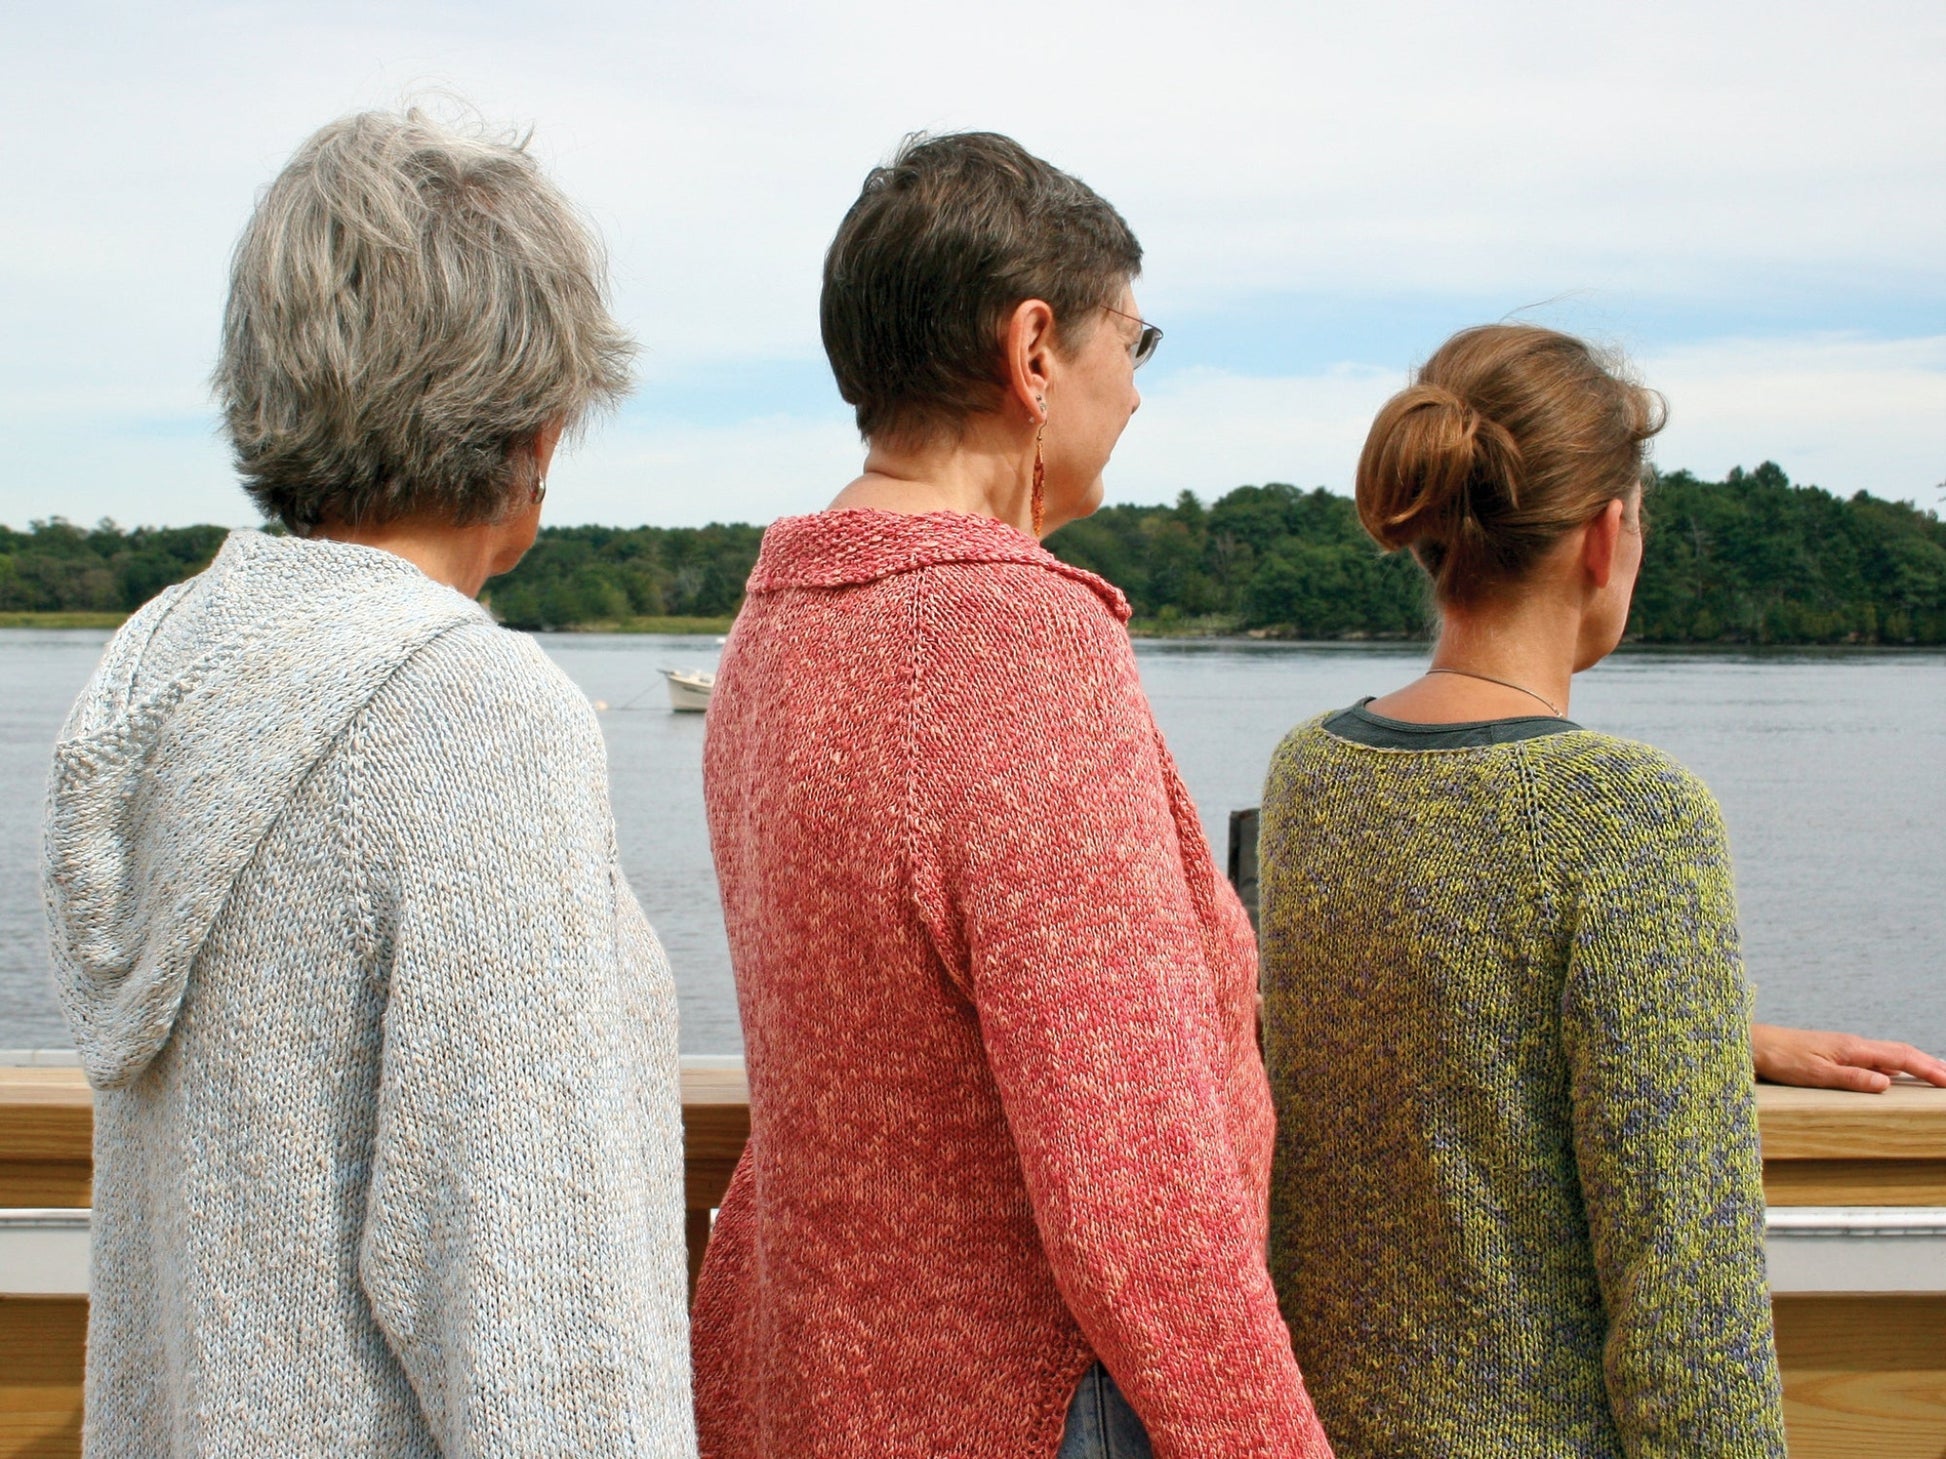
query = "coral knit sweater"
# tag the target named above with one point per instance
(1007, 1110)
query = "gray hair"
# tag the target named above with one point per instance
(409, 306)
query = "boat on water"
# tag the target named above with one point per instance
(689, 689)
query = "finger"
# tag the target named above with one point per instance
(1889, 1057)
(1916, 1062)
(1850, 1076)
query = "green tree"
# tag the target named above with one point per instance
(1750, 559)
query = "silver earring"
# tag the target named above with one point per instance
(540, 490)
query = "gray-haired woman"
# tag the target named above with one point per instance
(388, 1143)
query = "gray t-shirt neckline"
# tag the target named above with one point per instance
(1363, 727)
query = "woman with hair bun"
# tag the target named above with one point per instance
(1517, 1203)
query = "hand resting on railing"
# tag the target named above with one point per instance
(1818, 1059)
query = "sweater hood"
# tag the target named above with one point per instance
(207, 712)
(839, 549)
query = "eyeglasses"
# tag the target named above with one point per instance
(1145, 342)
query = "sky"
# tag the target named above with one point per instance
(1749, 200)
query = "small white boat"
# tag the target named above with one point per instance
(689, 689)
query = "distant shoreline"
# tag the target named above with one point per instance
(671, 627)
(62, 620)
(1150, 631)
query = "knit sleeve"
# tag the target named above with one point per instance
(1049, 873)
(523, 1249)
(1655, 1021)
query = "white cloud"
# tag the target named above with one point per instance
(1848, 414)
(1209, 430)
(172, 477)
(1726, 155)
(1205, 430)
(674, 475)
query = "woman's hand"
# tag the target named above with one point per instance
(1820, 1060)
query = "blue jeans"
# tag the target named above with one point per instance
(1101, 1425)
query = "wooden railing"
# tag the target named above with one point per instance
(1864, 1371)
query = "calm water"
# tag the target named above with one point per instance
(1831, 768)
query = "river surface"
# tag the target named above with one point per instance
(1830, 765)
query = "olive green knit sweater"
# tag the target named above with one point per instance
(1517, 1206)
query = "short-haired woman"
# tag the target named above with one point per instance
(1517, 1205)
(1005, 1188)
(388, 1148)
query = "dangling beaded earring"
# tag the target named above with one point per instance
(1040, 474)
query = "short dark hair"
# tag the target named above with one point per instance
(943, 242)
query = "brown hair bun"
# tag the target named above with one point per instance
(1509, 437)
(1431, 460)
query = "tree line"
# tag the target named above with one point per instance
(1752, 559)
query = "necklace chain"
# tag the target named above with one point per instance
(1504, 684)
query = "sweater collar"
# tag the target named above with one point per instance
(845, 548)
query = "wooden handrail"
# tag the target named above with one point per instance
(1824, 1147)
(47, 1132)
(47, 1122)
(715, 1125)
(1862, 1374)
(1820, 1146)
(1907, 1122)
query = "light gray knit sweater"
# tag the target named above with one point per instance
(388, 1144)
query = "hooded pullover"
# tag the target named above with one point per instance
(1007, 1112)
(388, 1147)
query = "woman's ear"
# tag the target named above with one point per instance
(1599, 540)
(545, 440)
(1027, 341)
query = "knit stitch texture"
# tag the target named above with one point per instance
(1517, 1205)
(1007, 1110)
(388, 1145)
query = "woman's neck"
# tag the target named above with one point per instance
(985, 471)
(462, 558)
(1498, 662)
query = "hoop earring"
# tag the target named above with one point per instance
(1040, 479)
(539, 492)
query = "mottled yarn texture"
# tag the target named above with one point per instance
(388, 1144)
(1007, 1110)
(1517, 1204)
